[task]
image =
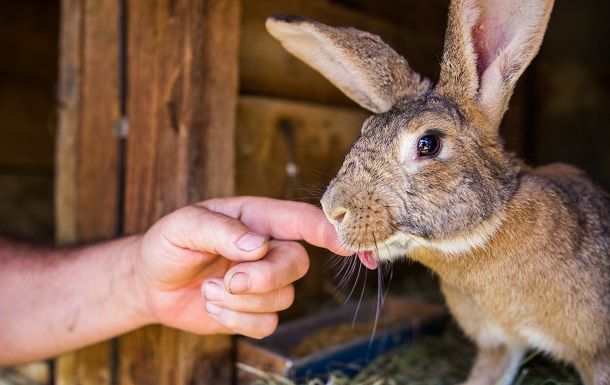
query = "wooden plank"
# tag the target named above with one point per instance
(426, 17)
(70, 70)
(321, 136)
(87, 153)
(91, 365)
(181, 146)
(66, 186)
(97, 176)
(36, 372)
(212, 107)
(182, 99)
(269, 70)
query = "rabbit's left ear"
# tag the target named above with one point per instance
(360, 64)
(488, 45)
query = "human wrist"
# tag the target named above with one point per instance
(133, 291)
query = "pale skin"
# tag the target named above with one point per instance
(199, 269)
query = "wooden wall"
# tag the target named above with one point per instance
(218, 108)
(181, 76)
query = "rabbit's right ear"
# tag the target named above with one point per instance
(360, 64)
(488, 45)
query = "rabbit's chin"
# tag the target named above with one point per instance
(402, 245)
(396, 247)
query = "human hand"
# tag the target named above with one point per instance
(244, 277)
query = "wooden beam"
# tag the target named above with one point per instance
(87, 153)
(317, 140)
(69, 95)
(182, 66)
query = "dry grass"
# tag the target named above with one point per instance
(432, 360)
(440, 360)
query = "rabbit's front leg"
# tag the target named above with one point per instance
(495, 365)
(497, 360)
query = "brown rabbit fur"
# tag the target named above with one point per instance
(522, 253)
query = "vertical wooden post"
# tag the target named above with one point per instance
(182, 69)
(68, 113)
(182, 82)
(86, 195)
(182, 96)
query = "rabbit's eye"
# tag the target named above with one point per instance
(428, 145)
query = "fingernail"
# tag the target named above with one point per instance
(212, 291)
(251, 241)
(212, 309)
(239, 283)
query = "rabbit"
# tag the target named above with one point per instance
(522, 253)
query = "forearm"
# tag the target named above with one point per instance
(53, 301)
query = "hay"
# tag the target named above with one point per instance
(436, 360)
(430, 360)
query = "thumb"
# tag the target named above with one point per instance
(200, 229)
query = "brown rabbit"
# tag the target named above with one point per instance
(522, 253)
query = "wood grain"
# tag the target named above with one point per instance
(182, 100)
(87, 153)
(321, 136)
(69, 95)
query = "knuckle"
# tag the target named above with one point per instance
(290, 262)
(299, 261)
(299, 258)
(263, 277)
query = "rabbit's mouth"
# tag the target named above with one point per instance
(368, 259)
(397, 246)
